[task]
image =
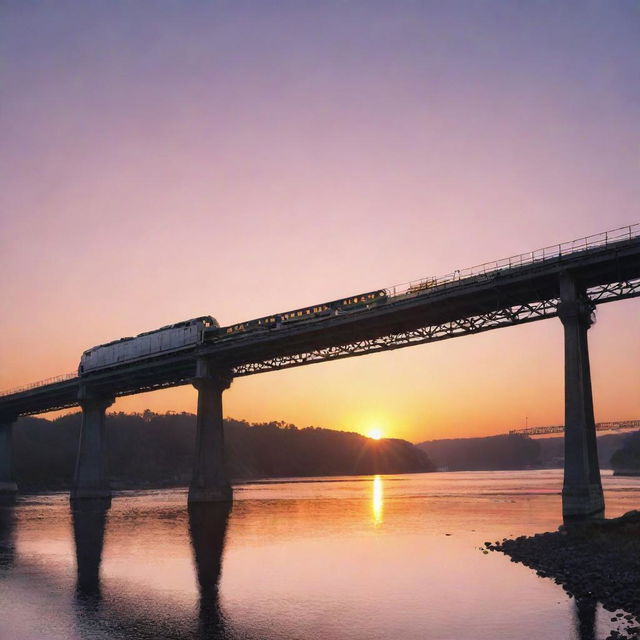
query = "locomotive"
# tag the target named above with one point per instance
(159, 342)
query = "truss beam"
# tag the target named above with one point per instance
(505, 317)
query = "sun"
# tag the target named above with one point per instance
(375, 434)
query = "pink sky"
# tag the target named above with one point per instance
(178, 159)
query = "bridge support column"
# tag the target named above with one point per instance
(8, 486)
(210, 482)
(582, 496)
(91, 477)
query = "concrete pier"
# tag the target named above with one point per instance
(582, 496)
(91, 478)
(210, 482)
(8, 486)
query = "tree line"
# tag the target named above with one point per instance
(150, 449)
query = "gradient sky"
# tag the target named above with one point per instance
(170, 159)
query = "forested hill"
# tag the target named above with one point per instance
(157, 450)
(489, 453)
(512, 452)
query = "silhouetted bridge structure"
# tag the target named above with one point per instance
(566, 280)
(618, 425)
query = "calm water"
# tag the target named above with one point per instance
(390, 557)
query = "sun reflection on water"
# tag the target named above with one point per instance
(377, 502)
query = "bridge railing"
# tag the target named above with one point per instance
(551, 253)
(40, 383)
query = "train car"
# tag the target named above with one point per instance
(145, 345)
(336, 307)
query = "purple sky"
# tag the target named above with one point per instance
(171, 159)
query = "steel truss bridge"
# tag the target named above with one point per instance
(619, 425)
(508, 292)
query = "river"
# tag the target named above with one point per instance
(354, 558)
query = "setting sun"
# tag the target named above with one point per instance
(375, 434)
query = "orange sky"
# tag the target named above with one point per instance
(241, 160)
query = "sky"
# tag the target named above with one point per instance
(161, 161)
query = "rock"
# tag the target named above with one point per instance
(594, 561)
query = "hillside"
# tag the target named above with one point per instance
(157, 450)
(552, 449)
(626, 460)
(480, 454)
(510, 452)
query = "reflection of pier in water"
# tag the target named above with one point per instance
(7, 537)
(125, 614)
(207, 528)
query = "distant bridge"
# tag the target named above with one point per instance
(619, 425)
(566, 280)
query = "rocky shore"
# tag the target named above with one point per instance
(594, 562)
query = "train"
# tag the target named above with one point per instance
(146, 345)
(189, 333)
(327, 309)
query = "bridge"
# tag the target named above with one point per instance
(616, 425)
(566, 280)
